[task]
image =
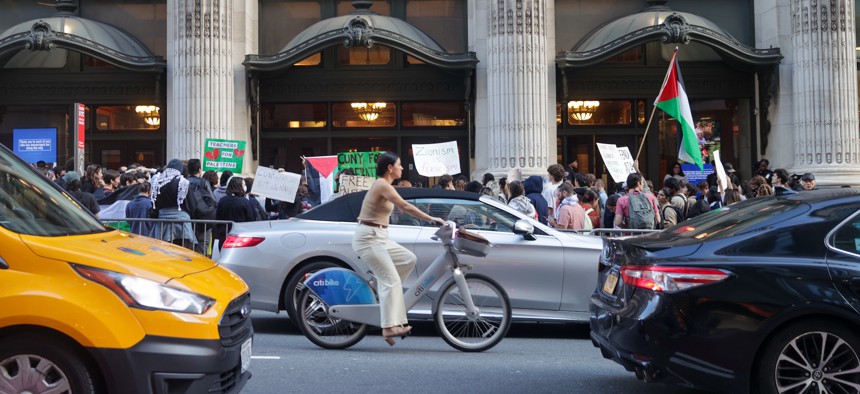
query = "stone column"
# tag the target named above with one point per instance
(200, 75)
(520, 96)
(824, 79)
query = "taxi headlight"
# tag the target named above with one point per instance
(145, 293)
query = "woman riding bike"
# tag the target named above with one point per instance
(390, 262)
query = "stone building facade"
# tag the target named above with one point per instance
(517, 83)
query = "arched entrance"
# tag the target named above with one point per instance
(609, 80)
(49, 64)
(360, 82)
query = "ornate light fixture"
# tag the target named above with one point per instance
(368, 111)
(149, 114)
(582, 110)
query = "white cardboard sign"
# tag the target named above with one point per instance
(721, 172)
(436, 159)
(276, 185)
(627, 158)
(354, 183)
(612, 160)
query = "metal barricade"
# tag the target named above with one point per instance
(201, 236)
(610, 232)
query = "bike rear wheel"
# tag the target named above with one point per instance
(322, 329)
(473, 333)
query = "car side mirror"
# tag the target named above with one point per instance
(526, 229)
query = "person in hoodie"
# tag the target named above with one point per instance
(533, 188)
(140, 208)
(221, 191)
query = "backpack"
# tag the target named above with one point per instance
(587, 224)
(682, 213)
(641, 212)
(678, 215)
(200, 201)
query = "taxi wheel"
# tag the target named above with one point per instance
(295, 283)
(39, 365)
(821, 357)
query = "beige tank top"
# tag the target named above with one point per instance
(375, 209)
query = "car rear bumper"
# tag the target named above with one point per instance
(650, 339)
(173, 365)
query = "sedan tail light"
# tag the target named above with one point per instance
(235, 241)
(670, 279)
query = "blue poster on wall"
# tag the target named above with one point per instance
(33, 145)
(694, 174)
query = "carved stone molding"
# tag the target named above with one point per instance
(517, 86)
(824, 80)
(675, 28)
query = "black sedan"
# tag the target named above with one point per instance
(762, 296)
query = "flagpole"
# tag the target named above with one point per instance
(654, 109)
(647, 127)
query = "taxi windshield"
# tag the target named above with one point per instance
(30, 204)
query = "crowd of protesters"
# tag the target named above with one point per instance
(563, 198)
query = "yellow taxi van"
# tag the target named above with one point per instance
(85, 308)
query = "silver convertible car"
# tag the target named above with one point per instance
(548, 275)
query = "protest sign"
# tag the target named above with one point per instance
(722, 179)
(627, 159)
(361, 163)
(613, 161)
(436, 159)
(34, 145)
(354, 183)
(276, 185)
(221, 155)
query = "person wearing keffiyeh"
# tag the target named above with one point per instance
(169, 189)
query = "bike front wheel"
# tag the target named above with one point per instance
(319, 327)
(478, 332)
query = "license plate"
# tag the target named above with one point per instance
(246, 355)
(611, 282)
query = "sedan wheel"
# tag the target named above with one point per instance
(809, 358)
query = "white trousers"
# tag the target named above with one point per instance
(391, 264)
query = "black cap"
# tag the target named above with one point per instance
(807, 177)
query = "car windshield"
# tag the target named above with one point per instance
(737, 218)
(30, 204)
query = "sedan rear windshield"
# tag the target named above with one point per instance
(31, 204)
(737, 218)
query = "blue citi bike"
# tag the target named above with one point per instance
(471, 312)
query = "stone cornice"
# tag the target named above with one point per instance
(674, 29)
(359, 33)
(41, 37)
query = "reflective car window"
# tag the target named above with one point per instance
(470, 213)
(847, 237)
(737, 218)
(30, 204)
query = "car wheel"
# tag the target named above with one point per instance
(295, 284)
(820, 357)
(37, 365)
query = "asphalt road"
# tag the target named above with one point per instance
(531, 359)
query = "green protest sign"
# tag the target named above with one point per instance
(362, 163)
(222, 155)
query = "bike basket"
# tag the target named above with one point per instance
(471, 244)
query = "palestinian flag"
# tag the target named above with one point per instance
(320, 172)
(673, 101)
(113, 205)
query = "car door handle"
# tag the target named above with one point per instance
(3, 264)
(855, 282)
